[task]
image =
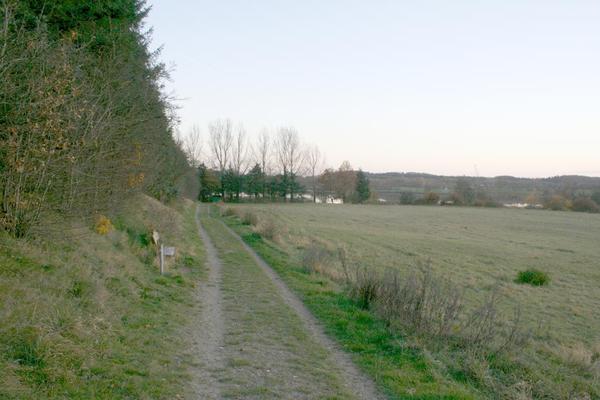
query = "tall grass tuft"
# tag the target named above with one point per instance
(268, 229)
(315, 258)
(424, 302)
(433, 306)
(366, 287)
(533, 277)
(249, 218)
(229, 212)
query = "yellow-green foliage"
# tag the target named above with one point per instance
(86, 316)
(103, 225)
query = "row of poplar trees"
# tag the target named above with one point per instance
(83, 123)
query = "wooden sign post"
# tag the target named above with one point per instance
(165, 251)
(162, 259)
(162, 251)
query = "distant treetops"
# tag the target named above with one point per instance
(277, 167)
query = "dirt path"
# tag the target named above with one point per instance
(256, 340)
(208, 343)
(353, 379)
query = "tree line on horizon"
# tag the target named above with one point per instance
(275, 167)
(469, 192)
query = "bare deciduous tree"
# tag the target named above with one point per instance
(221, 140)
(239, 157)
(314, 160)
(263, 155)
(345, 182)
(192, 146)
(289, 156)
(263, 151)
(240, 150)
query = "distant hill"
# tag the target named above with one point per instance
(390, 185)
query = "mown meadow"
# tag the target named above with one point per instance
(480, 251)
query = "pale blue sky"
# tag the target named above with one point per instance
(512, 87)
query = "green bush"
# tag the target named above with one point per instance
(533, 277)
(407, 198)
(137, 237)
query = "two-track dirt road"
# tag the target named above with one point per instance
(255, 338)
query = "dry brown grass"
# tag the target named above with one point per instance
(431, 305)
(315, 258)
(268, 229)
(91, 302)
(249, 218)
(582, 356)
(228, 211)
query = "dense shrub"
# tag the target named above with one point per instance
(457, 199)
(482, 199)
(83, 122)
(533, 277)
(431, 198)
(407, 198)
(585, 204)
(596, 197)
(557, 203)
(464, 192)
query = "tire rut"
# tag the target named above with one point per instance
(210, 329)
(354, 380)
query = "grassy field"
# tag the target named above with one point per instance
(85, 315)
(399, 368)
(480, 249)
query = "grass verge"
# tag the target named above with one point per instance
(542, 367)
(89, 316)
(268, 352)
(399, 367)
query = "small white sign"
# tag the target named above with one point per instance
(169, 251)
(155, 237)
